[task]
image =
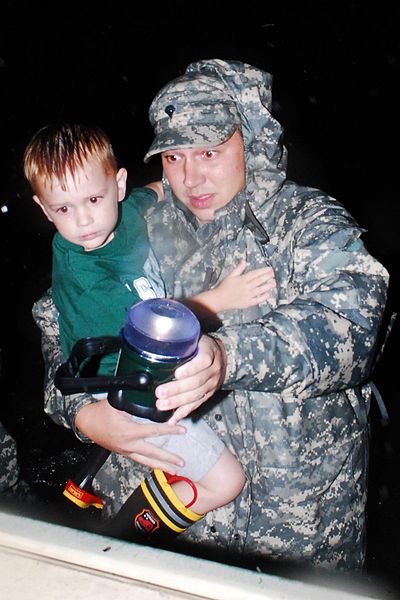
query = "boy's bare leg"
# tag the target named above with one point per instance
(219, 486)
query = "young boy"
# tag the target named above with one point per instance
(103, 264)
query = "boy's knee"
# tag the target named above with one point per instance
(239, 479)
(233, 477)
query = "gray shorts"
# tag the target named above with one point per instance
(200, 447)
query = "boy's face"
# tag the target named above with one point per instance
(205, 179)
(86, 212)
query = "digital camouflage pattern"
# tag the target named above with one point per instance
(293, 408)
(9, 469)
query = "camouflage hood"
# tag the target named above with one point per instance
(205, 106)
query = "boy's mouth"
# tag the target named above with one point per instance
(88, 236)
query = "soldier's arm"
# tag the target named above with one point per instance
(323, 339)
(94, 420)
(62, 409)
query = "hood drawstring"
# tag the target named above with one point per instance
(254, 225)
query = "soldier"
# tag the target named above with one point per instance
(293, 403)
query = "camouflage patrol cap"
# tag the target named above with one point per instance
(195, 110)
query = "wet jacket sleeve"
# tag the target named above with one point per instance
(62, 409)
(9, 469)
(322, 337)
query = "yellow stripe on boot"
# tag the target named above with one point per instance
(154, 510)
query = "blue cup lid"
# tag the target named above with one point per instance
(162, 329)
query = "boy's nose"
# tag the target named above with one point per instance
(84, 217)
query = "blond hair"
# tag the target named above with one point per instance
(56, 150)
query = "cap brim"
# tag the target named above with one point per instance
(200, 136)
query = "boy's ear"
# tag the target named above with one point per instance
(42, 206)
(121, 183)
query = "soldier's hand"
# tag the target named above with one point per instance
(117, 431)
(195, 381)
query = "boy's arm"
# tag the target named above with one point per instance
(237, 290)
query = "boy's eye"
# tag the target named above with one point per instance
(94, 199)
(63, 209)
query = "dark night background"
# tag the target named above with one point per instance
(335, 67)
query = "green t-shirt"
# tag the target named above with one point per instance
(93, 290)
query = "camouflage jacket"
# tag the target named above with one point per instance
(294, 408)
(9, 469)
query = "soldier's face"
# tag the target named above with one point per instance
(205, 179)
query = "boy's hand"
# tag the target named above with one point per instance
(117, 431)
(157, 187)
(236, 290)
(242, 290)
